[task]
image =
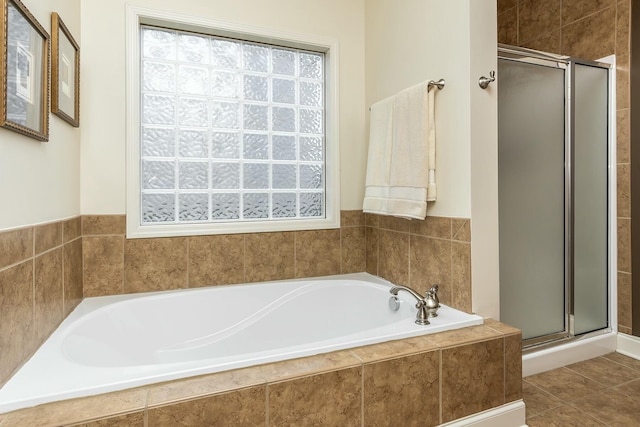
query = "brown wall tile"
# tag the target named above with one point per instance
(394, 223)
(572, 10)
(216, 260)
(472, 379)
(624, 245)
(393, 260)
(16, 317)
(71, 229)
(239, 408)
(623, 27)
(47, 236)
(371, 220)
(624, 300)
(269, 256)
(317, 253)
(130, 420)
(461, 276)
(330, 399)
(537, 17)
(371, 250)
(432, 226)
(624, 330)
(549, 42)
(73, 411)
(461, 229)
(513, 367)
(72, 281)
(592, 37)
(311, 365)
(351, 218)
(103, 265)
(394, 349)
(622, 82)
(622, 136)
(431, 265)
(155, 264)
(48, 309)
(624, 190)
(504, 5)
(508, 27)
(472, 334)
(205, 385)
(16, 246)
(353, 247)
(405, 389)
(503, 328)
(103, 224)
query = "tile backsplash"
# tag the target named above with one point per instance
(40, 284)
(423, 253)
(116, 265)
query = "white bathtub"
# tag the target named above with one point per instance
(118, 342)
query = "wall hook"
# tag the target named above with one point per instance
(483, 81)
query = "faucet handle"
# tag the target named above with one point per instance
(432, 301)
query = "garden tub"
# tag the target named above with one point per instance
(118, 342)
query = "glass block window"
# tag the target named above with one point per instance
(230, 130)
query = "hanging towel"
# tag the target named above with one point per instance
(401, 184)
(379, 158)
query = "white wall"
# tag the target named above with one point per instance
(411, 41)
(485, 268)
(103, 106)
(40, 181)
(415, 40)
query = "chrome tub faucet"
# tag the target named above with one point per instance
(427, 306)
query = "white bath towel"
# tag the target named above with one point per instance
(379, 158)
(402, 130)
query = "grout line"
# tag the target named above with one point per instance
(504, 368)
(188, 262)
(244, 258)
(266, 404)
(341, 267)
(361, 393)
(145, 410)
(63, 281)
(124, 265)
(440, 402)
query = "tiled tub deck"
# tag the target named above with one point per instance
(423, 381)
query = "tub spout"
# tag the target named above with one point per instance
(422, 315)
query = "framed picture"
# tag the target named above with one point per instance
(24, 72)
(65, 73)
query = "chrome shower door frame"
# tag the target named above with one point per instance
(510, 53)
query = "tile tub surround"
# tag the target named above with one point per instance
(589, 30)
(419, 254)
(416, 380)
(40, 283)
(407, 252)
(113, 264)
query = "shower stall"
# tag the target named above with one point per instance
(555, 209)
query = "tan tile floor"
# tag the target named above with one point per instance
(598, 392)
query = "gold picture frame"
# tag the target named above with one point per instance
(65, 72)
(24, 72)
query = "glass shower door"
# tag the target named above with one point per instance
(531, 171)
(553, 181)
(590, 181)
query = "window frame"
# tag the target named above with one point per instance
(135, 18)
